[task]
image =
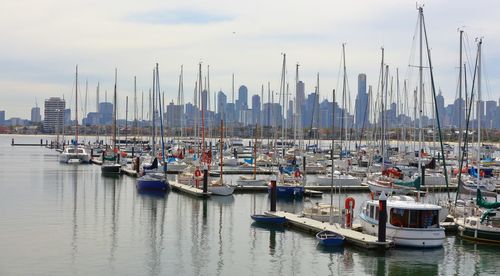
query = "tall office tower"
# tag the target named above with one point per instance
(53, 115)
(36, 117)
(2, 117)
(361, 104)
(221, 102)
(256, 109)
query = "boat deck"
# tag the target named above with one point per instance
(188, 189)
(351, 236)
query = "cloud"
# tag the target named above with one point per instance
(178, 17)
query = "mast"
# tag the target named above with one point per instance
(460, 99)
(76, 106)
(114, 113)
(479, 111)
(421, 92)
(136, 111)
(255, 153)
(161, 122)
(344, 99)
(221, 163)
(381, 119)
(202, 117)
(333, 164)
(153, 113)
(126, 122)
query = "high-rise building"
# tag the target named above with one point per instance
(67, 116)
(53, 115)
(36, 117)
(106, 111)
(2, 117)
(221, 102)
(491, 106)
(242, 102)
(204, 100)
(174, 115)
(256, 109)
(243, 97)
(361, 104)
(440, 108)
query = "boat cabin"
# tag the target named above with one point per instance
(404, 213)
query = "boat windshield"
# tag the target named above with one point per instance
(414, 218)
(71, 150)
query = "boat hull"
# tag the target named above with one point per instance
(288, 191)
(223, 190)
(150, 183)
(329, 238)
(111, 168)
(406, 237)
(268, 219)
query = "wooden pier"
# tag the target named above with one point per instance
(129, 172)
(351, 236)
(188, 189)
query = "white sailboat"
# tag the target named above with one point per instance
(75, 153)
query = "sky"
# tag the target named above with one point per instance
(43, 41)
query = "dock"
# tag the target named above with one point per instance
(188, 189)
(129, 172)
(96, 161)
(351, 236)
(312, 193)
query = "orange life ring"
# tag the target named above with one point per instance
(348, 203)
(297, 173)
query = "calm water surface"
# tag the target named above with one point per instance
(60, 219)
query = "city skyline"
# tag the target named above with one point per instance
(244, 39)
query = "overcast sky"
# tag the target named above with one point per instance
(42, 41)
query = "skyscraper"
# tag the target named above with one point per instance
(106, 111)
(243, 97)
(361, 104)
(256, 109)
(204, 100)
(53, 114)
(242, 102)
(221, 102)
(36, 117)
(2, 117)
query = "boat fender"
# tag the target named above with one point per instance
(297, 173)
(197, 174)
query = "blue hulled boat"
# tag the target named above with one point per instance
(263, 218)
(152, 181)
(288, 190)
(330, 238)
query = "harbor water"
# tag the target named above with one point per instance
(59, 219)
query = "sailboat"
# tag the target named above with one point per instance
(289, 182)
(110, 163)
(411, 223)
(156, 180)
(75, 153)
(481, 220)
(252, 180)
(219, 187)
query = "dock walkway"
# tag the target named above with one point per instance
(351, 236)
(188, 189)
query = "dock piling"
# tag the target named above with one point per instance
(382, 217)
(273, 194)
(205, 179)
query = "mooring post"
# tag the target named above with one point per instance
(273, 194)
(205, 179)
(382, 216)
